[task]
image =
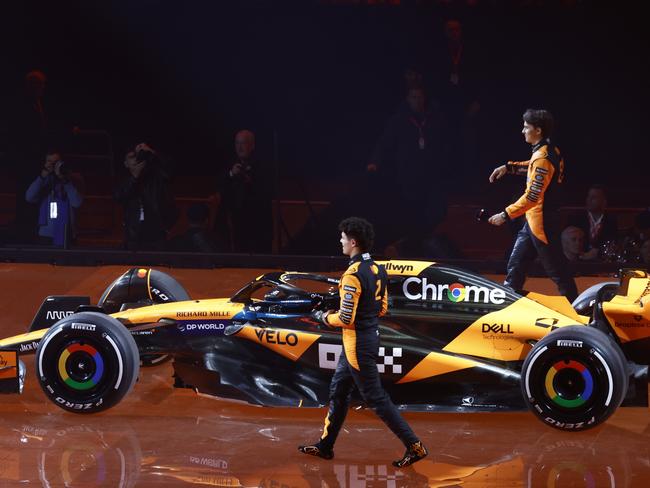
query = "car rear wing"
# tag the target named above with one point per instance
(55, 308)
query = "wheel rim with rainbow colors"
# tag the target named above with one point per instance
(569, 383)
(80, 366)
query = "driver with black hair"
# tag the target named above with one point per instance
(364, 298)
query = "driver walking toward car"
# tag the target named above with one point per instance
(540, 234)
(364, 298)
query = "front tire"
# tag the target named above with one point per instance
(574, 378)
(87, 362)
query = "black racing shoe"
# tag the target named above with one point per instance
(413, 454)
(316, 450)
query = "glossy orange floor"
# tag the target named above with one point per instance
(159, 436)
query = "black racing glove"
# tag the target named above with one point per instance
(319, 316)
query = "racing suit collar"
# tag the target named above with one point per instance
(543, 142)
(362, 256)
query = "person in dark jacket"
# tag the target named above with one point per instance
(410, 162)
(246, 189)
(57, 198)
(149, 209)
(598, 225)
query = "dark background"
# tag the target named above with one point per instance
(316, 81)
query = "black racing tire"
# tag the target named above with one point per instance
(87, 362)
(168, 290)
(584, 303)
(138, 284)
(142, 284)
(574, 378)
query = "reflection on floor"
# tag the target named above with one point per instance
(164, 437)
(159, 436)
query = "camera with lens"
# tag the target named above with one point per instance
(62, 169)
(143, 156)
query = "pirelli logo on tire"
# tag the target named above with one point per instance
(80, 326)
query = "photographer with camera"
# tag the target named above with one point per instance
(57, 198)
(149, 208)
(246, 191)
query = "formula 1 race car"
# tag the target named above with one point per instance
(451, 341)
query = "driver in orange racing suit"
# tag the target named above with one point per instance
(364, 298)
(540, 234)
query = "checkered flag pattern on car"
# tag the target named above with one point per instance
(387, 363)
(368, 476)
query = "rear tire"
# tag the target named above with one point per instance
(143, 285)
(584, 303)
(87, 362)
(574, 378)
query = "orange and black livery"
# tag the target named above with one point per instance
(363, 294)
(544, 172)
(449, 340)
(364, 298)
(540, 235)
